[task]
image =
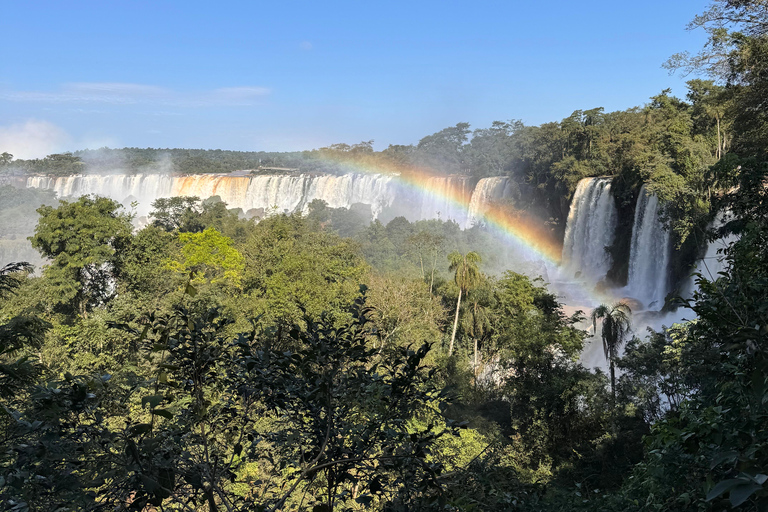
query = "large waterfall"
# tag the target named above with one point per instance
(280, 193)
(589, 230)
(649, 254)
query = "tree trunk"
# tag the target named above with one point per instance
(719, 145)
(475, 369)
(432, 276)
(613, 383)
(455, 324)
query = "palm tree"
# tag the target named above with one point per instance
(614, 329)
(467, 276)
(478, 325)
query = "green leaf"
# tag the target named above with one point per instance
(190, 290)
(722, 487)
(741, 493)
(152, 400)
(721, 457)
(149, 484)
(364, 500)
(165, 413)
(137, 430)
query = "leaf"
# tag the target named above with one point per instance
(721, 457)
(364, 500)
(139, 429)
(190, 290)
(722, 487)
(149, 484)
(152, 400)
(741, 493)
(165, 413)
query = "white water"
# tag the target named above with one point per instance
(590, 228)
(649, 254)
(270, 193)
(713, 262)
(446, 198)
(486, 192)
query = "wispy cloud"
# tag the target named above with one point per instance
(117, 93)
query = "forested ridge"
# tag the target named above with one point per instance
(325, 362)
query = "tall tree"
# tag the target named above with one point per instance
(614, 329)
(84, 240)
(467, 275)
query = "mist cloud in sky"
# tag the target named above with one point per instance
(33, 139)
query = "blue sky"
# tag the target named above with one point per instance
(291, 75)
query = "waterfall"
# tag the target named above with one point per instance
(713, 262)
(278, 193)
(649, 253)
(590, 228)
(487, 191)
(446, 198)
(123, 188)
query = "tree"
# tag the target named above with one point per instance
(426, 244)
(209, 256)
(710, 105)
(15, 334)
(614, 329)
(172, 213)
(444, 150)
(467, 275)
(83, 239)
(478, 322)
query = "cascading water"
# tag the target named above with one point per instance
(446, 198)
(713, 262)
(487, 191)
(281, 193)
(649, 254)
(590, 228)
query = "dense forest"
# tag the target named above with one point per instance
(324, 361)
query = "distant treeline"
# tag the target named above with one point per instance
(669, 142)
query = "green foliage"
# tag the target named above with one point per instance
(467, 275)
(336, 431)
(209, 257)
(615, 324)
(293, 271)
(176, 213)
(83, 240)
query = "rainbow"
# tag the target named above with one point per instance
(521, 229)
